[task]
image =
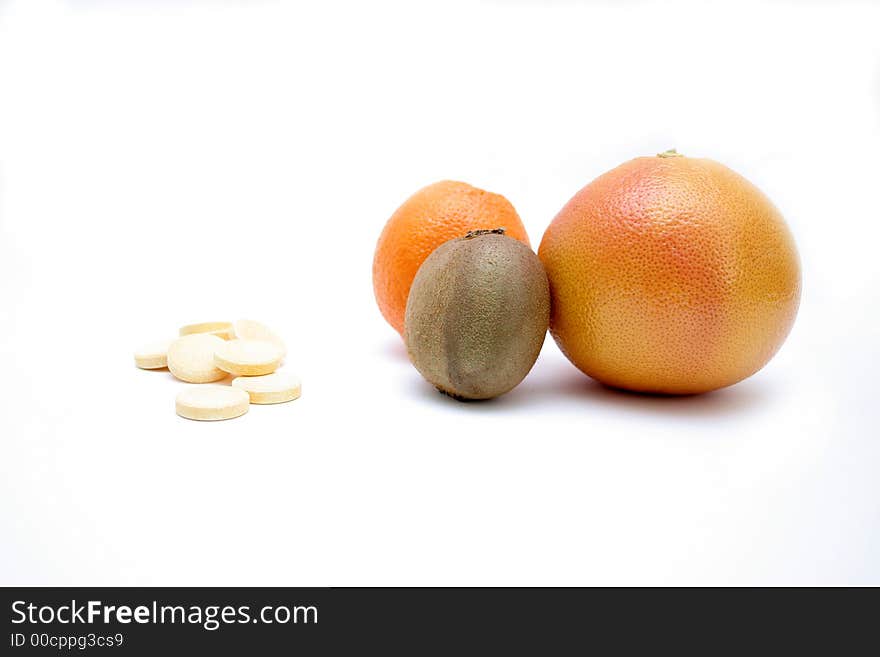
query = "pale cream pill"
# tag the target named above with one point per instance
(153, 356)
(191, 358)
(220, 329)
(272, 388)
(248, 357)
(212, 403)
(248, 329)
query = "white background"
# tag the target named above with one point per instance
(166, 162)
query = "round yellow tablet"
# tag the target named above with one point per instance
(220, 329)
(153, 356)
(272, 388)
(212, 403)
(191, 358)
(248, 329)
(248, 357)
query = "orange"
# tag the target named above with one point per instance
(670, 274)
(433, 215)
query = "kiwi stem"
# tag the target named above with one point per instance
(484, 231)
(670, 153)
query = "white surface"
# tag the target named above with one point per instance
(151, 152)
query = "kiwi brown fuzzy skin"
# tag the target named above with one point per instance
(477, 314)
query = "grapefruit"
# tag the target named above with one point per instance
(670, 274)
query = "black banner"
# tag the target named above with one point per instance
(316, 621)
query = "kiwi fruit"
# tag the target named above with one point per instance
(477, 314)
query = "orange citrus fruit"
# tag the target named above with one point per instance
(670, 274)
(433, 215)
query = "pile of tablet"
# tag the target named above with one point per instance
(210, 351)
